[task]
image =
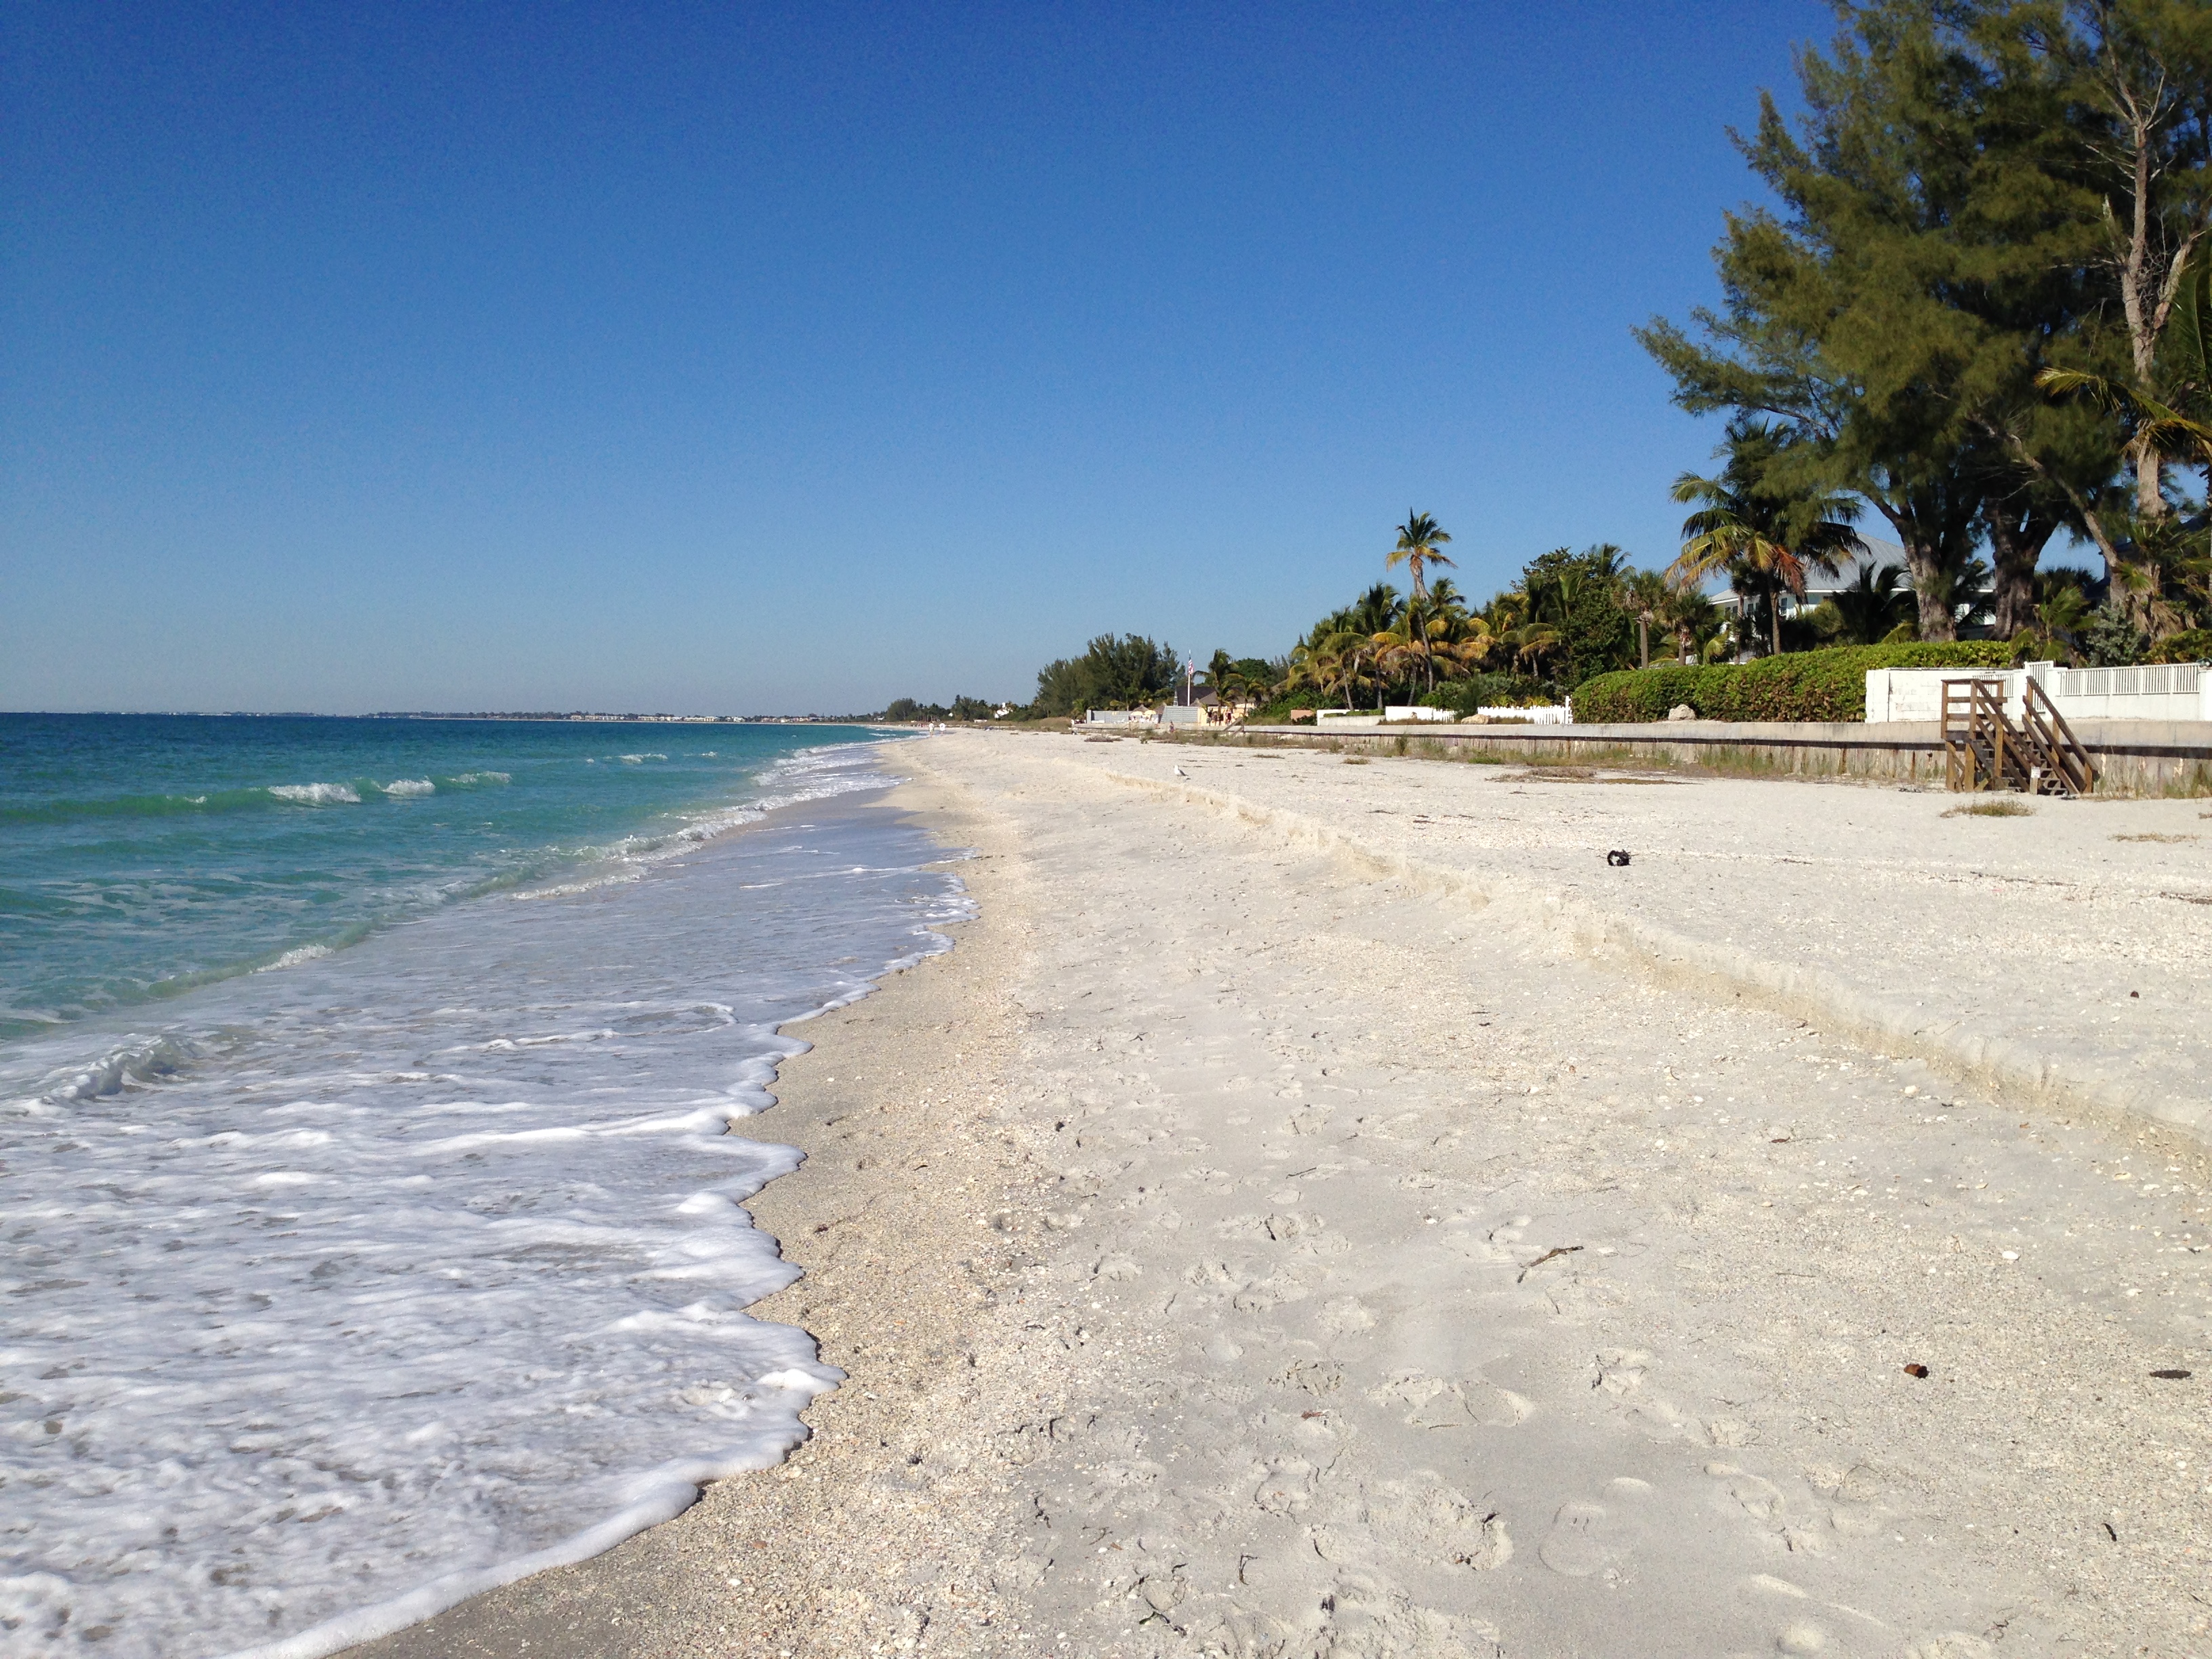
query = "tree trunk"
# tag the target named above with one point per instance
(1931, 591)
(2019, 531)
(1644, 640)
(2139, 301)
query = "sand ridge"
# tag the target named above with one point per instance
(2062, 953)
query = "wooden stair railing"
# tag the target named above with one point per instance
(1976, 755)
(2065, 764)
(1983, 750)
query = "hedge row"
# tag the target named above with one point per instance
(1486, 692)
(1799, 685)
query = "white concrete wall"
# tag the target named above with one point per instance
(1549, 713)
(2155, 691)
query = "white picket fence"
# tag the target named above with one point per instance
(1355, 719)
(2155, 691)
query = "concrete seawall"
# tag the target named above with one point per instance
(2133, 757)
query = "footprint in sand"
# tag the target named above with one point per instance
(1368, 1615)
(1258, 1295)
(1797, 1633)
(1951, 1644)
(1424, 1518)
(1758, 1498)
(1346, 1315)
(1621, 1373)
(1587, 1539)
(1860, 1483)
(1315, 1377)
(1436, 1402)
(1287, 1487)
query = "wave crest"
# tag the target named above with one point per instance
(140, 1063)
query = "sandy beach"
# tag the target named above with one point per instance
(1325, 1209)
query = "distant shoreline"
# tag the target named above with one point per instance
(425, 714)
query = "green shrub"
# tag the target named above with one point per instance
(2192, 645)
(1803, 685)
(1486, 692)
(1634, 695)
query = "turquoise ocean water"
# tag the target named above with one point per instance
(142, 855)
(376, 1115)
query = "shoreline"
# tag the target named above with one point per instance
(810, 1542)
(1373, 1267)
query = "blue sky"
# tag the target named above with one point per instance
(760, 358)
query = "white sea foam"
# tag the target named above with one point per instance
(473, 778)
(317, 795)
(822, 773)
(135, 1062)
(295, 957)
(410, 786)
(614, 877)
(422, 1266)
(639, 760)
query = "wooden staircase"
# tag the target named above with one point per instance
(1983, 750)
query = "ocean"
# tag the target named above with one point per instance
(370, 1193)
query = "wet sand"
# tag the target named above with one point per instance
(1282, 1228)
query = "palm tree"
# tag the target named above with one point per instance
(1419, 541)
(1642, 594)
(2163, 415)
(1693, 619)
(1872, 606)
(1375, 611)
(1398, 651)
(1531, 643)
(1320, 663)
(1756, 533)
(2061, 614)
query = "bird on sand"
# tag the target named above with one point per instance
(1181, 773)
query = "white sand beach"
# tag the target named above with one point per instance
(1322, 1209)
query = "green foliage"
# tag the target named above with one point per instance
(2191, 645)
(1808, 685)
(1115, 672)
(1486, 692)
(2110, 638)
(963, 709)
(1578, 595)
(1929, 253)
(1238, 679)
(1637, 695)
(1871, 609)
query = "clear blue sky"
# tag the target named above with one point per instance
(752, 357)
